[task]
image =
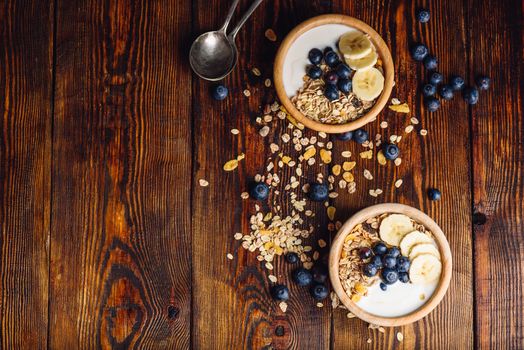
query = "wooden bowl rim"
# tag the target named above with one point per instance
(384, 54)
(445, 256)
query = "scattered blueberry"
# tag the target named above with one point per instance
(446, 92)
(377, 261)
(389, 261)
(331, 92)
(403, 264)
(429, 90)
(331, 78)
(314, 72)
(365, 253)
(391, 151)
(403, 277)
(360, 136)
(419, 52)
(320, 273)
(315, 56)
(327, 49)
(369, 270)
(343, 71)
(482, 82)
(318, 192)
(394, 252)
(259, 191)
(423, 15)
(389, 276)
(302, 276)
(457, 83)
(280, 292)
(331, 59)
(380, 248)
(436, 78)
(471, 95)
(434, 194)
(319, 291)
(430, 62)
(345, 136)
(292, 258)
(219, 92)
(431, 103)
(383, 286)
(345, 85)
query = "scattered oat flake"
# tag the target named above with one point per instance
(423, 132)
(400, 336)
(367, 174)
(321, 243)
(398, 161)
(230, 256)
(409, 129)
(272, 278)
(384, 124)
(320, 305)
(270, 35)
(203, 183)
(264, 131)
(231, 165)
(368, 341)
(331, 212)
(346, 154)
(247, 93)
(395, 101)
(283, 306)
(244, 195)
(398, 183)
(350, 315)
(241, 156)
(381, 329)
(238, 236)
(401, 108)
(256, 72)
(267, 82)
(414, 120)
(393, 138)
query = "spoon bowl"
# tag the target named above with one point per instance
(213, 56)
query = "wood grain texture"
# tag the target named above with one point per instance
(120, 241)
(26, 45)
(440, 160)
(498, 163)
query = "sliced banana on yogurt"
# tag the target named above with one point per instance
(423, 248)
(412, 239)
(368, 84)
(394, 227)
(425, 268)
(355, 45)
(365, 62)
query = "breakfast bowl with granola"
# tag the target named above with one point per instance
(333, 73)
(390, 264)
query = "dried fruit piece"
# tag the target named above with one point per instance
(347, 166)
(310, 152)
(325, 155)
(271, 36)
(381, 158)
(336, 170)
(348, 177)
(366, 154)
(231, 165)
(331, 212)
(401, 108)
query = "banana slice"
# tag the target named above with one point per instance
(423, 248)
(411, 239)
(425, 268)
(394, 227)
(365, 62)
(355, 45)
(368, 84)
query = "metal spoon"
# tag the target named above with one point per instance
(213, 55)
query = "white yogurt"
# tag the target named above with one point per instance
(399, 299)
(296, 59)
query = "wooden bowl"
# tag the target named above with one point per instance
(445, 256)
(382, 50)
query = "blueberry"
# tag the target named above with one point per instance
(429, 90)
(431, 103)
(394, 252)
(345, 85)
(457, 83)
(331, 59)
(315, 56)
(434, 194)
(380, 248)
(219, 92)
(482, 82)
(383, 286)
(436, 78)
(327, 49)
(318, 192)
(259, 191)
(419, 52)
(369, 270)
(345, 136)
(403, 264)
(389, 261)
(331, 92)
(314, 72)
(390, 151)
(292, 258)
(389, 276)
(377, 261)
(319, 291)
(446, 92)
(430, 62)
(343, 71)
(423, 15)
(331, 77)
(280, 292)
(403, 277)
(360, 136)
(302, 276)
(365, 253)
(471, 95)
(320, 273)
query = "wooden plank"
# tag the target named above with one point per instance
(498, 163)
(440, 159)
(26, 55)
(232, 308)
(120, 241)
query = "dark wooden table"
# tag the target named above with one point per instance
(107, 239)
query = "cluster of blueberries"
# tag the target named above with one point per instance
(316, 279)
(336, 79)
(393, 266)
(420, 53)
(390, 150)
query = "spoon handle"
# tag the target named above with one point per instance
(244, 18)
(229, 15)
